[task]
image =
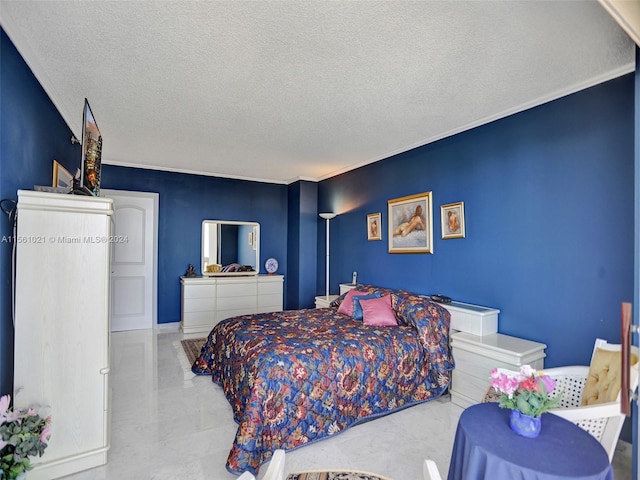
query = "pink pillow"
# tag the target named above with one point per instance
(377, 312)
(346, 306)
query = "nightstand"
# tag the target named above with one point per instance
(478, 348)
(476, 356)
(345, 287)
(323, 301)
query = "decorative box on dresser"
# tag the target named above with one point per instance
(477, 348)
(62, 325)
(208, 300)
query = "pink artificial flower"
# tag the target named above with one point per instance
(530, 384)
(527, 371)
(45, 435)
(549, 383)
(503, 382)
(5, 400)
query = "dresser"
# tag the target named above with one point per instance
(62, 325)
(208, 300)
(478, 348)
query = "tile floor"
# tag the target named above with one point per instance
(167, 425)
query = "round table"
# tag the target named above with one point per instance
(486, 447)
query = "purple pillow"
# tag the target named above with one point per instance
(377, 312)
(346, 306)
(357, 309)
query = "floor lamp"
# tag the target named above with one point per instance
(327, 217)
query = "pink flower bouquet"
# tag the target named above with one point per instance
(528, 391)
(23, 434)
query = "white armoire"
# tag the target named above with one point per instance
(62, 325)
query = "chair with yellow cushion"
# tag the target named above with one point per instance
(591, 394)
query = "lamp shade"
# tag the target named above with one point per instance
(328, 216)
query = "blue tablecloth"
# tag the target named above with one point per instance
(485, 447)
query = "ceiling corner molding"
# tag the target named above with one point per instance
(627, 14)
(193, 172)
(302, 179)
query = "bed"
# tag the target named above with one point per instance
(299, 376)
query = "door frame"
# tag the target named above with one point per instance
(155, 197)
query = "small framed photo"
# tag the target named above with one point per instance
(410, 224)
(61, 177)
(374, 226)
(452, 219)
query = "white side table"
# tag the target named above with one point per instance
(345, 287)
(323, 301)
(476, 356)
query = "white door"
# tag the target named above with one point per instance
(134, 260)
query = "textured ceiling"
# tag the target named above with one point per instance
(280, 91)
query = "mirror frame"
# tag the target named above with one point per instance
(255, 238)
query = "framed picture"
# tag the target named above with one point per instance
(374, 226)
(61, 177)
(410, 224)
(452, 219)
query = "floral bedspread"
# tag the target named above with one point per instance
(298, 376)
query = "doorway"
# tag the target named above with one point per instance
(134, 260)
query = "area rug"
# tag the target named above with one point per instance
(335, 475)
(192, 347)
(187, 351)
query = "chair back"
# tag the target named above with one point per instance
(276, 466)
(430, 470)
(602, 420)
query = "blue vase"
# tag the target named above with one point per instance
(524, 424)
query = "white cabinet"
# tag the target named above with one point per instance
(475, 319)
(62, 325)
(477, 349)
(475, 356)
(208, 300)
(345, 287)
(323, 301)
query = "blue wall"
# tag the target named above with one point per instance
(549, 209)
(548, 201)
(185, 201)
(32, 135)
(301, 250)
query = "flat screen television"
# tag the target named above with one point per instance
(91, 152)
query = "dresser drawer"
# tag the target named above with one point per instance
(198, 318)
(481, 366)
(222, 314)
(239, 289)
(502, 348)
(248, 303)
(273, 301)
(469, 386)
(199, 291)
(198, 304)
(270, 288)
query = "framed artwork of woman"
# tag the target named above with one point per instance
(410, 224)
(374, 226)
(452, 220)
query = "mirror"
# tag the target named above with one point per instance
(230, 248)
